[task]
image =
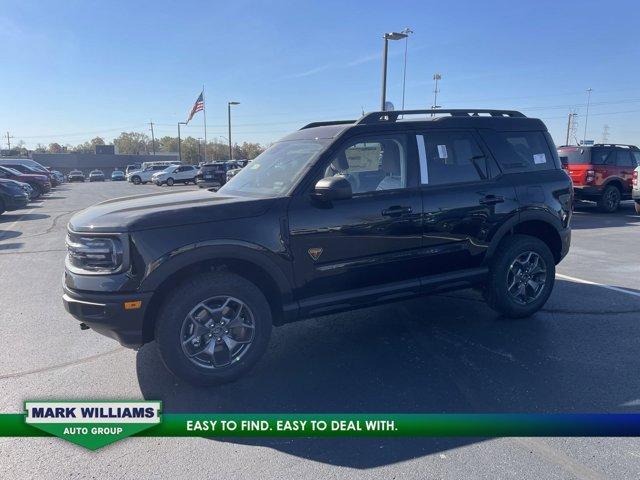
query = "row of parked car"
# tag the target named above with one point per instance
(95, 176)
(23, 180)
(206, 175)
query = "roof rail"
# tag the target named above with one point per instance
(631, 147)
(326, 124)
(392, 116)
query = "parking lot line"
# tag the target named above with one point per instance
(603, 285)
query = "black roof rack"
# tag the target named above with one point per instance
(631, 147)
(326, 124)
(392, 116)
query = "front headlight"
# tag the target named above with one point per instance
(96, 254)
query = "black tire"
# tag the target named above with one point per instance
(496, 291)
(637, 205)
(609, 202)
(187, 296)
(136, 180)
(169, 182)
(159, 183)
(2, 207)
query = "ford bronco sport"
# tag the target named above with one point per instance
(601, 173)
(335, 216)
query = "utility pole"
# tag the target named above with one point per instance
(570, 128)
(586, 118)
(9, 137)
(199, 154)
(436, 77)
(153, 138)
(180, 141)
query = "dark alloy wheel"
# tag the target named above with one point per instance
(213, 328)
(610, 200)
(170, 181)
(521, 276)
(136, 180)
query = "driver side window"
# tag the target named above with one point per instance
(372, 164)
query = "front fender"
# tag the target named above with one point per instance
(184, 256)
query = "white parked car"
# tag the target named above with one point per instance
(176, 174)
(144, 176)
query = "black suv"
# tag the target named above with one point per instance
(215, 174)
(336, 216)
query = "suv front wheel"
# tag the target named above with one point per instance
(213, 328)
(521, 277)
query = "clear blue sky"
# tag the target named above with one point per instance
(75, 69)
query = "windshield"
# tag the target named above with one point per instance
(276, 170)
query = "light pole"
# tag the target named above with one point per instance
(229, 122)
(385, 49)
(586, 117)
(179, 141)
(406, 31)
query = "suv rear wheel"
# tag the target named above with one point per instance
(213, 328)
(521, 277)
(610, 200)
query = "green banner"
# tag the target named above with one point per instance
(95, 424)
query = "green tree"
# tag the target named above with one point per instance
(55, 148)
(132, 143)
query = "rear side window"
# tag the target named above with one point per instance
(451, 157)
(521, 151)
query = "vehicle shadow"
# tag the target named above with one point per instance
(447, 353)
(12, 217)
(7, 234)
(587, 216)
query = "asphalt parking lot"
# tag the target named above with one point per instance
(446, 353)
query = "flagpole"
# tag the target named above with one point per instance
(204, 119)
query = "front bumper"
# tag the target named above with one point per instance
(105, 313)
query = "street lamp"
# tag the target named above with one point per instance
(229, 122)
(404, 70)
(586, 117)
(387, 37)
(179, 141)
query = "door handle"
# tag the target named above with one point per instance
(396, 211)
(491, 199)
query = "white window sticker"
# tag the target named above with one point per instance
(442, 151)
(539, 158)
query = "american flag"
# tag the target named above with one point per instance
(199, 105)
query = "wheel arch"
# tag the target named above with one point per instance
(251, 265)
(538, 224)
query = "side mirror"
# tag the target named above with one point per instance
(333, 188)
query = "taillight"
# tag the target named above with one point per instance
(591, 176)
(635, 178)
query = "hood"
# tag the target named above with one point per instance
(142, 212)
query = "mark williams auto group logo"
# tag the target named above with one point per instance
(93, 424)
